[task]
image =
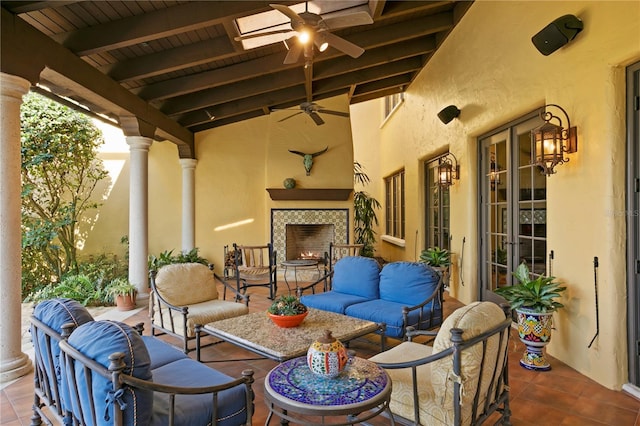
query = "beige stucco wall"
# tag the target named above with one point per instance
(489, 68)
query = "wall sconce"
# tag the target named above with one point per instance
(448, 113)
(448, 170)
(494, 173)
(550, 141)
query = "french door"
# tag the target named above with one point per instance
(513, 203)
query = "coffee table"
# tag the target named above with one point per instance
(257, 333)
(294, 393)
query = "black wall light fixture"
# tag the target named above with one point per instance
(550, 141)
(448, 170)
(557, 34)
(448, 114)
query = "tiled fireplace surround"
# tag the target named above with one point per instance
(280, 218)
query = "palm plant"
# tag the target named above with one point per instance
(364, 207)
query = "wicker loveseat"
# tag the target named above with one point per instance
(106, 373)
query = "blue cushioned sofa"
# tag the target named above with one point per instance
(105, 373)
(399, 295)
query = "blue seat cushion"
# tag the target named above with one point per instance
(409, 283)
(331, 301)
(358, 276)
(97, 340)
(55, 313)
(161, 353)
(197, 409)
(390, 313)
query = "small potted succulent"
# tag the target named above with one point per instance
(287, 311)
(123, 293)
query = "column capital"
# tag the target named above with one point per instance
(188, 163)
(13, 86)
(141, 143)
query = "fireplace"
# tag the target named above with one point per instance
(308, 241)
(296, 233)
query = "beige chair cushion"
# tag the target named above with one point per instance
(474, 319)
(401, 378)
(202, 313)
(185, 284)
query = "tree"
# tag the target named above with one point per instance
(60, 171)
(364, 207)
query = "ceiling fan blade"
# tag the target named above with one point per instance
(338, 113)
(294, 53)
(292, 115)
(315, 117)
(267, 33)
(343, 45)
(360, 16)
(289, 13)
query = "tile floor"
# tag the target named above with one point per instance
(561, 396)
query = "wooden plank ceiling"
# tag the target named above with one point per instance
(181, 58)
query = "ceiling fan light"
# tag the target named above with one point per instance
(323, 46)
(304, 36)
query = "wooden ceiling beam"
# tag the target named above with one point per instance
(154, 25)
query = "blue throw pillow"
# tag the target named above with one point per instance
(356, 275)
(97, 340)
(55, 313)
(409, 283)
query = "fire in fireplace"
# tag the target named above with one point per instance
(308, 241)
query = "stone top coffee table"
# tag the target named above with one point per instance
(257, 333)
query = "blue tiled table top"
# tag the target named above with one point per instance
(361, 382)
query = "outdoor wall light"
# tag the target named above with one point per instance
(448, 170)
(494, 173)
(550, 141)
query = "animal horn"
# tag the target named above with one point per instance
(320, 152)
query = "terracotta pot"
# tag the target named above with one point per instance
(287, 321)
(126, 302)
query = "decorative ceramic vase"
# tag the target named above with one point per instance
(327, 356)
(534, 330)
(287, 321)
(289, 183)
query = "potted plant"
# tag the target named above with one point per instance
(438, 258)
(123, 293)
(287, 311)
(534, 301)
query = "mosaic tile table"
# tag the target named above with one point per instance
(360, 392)
(256, 333)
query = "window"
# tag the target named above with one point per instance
(394, 195)
(391, 102)
(436, 208)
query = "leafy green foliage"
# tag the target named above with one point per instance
(537, 294)
(364, 207)
(119, 287)
(287, 305)
(60, 171)
(435, 256)
(76, 287)
(167, 258)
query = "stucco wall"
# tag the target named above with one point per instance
(489, 68)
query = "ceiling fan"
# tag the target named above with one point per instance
(312, 28)
(314, 110)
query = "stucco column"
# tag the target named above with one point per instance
(188, 203)
(13, 362)
(139, 212)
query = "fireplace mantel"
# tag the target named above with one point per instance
(328, 194)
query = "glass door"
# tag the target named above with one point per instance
(512, 206)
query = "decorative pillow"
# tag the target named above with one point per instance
(356, 275)
(55, 313)
(409, 283)
(186, 283)
(474, 319)
(97, 340)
